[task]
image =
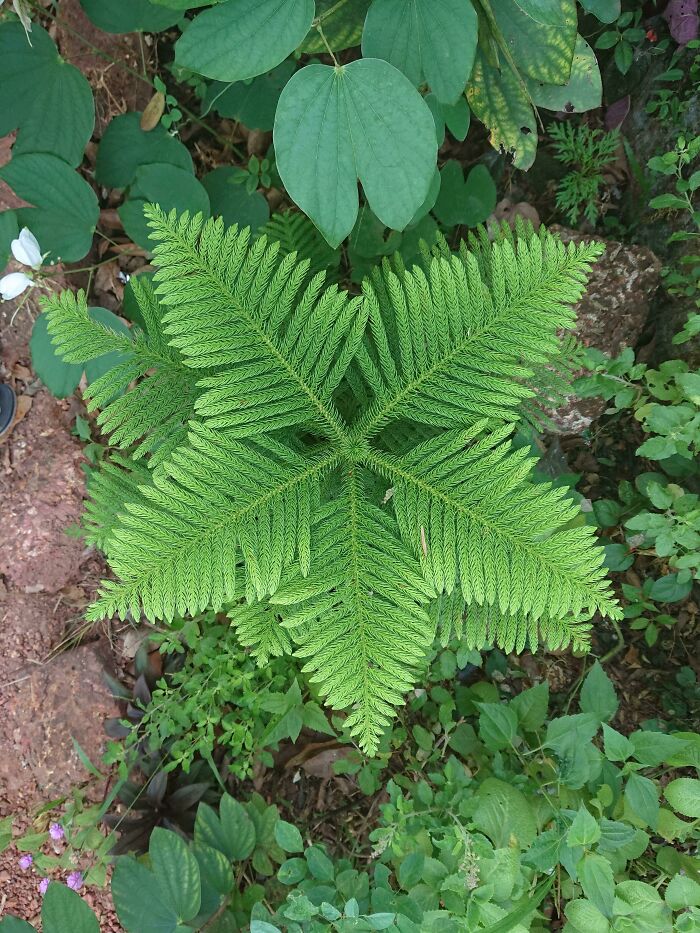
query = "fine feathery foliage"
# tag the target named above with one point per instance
(337, 472)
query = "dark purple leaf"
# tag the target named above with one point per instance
(616, 113)
(683, 21)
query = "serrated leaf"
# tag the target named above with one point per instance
(531, 706)
(596, 876)
(364, 120)
(655, 748)
(617, 746)
(598, 694)
(498, 725)
(584, 830)
(642, 796)
(243, 38)
(435, 39)
(684, 796)
(49, 100)
(120, 16)
(65, 211)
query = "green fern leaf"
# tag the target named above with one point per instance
(345, 492)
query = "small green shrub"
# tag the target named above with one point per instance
(586, 152)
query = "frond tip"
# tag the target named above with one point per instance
(336, 472)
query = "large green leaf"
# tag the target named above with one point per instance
(15, 925)
(238, 827)
(501, 103)
(66, 210)
(243, 38)
(47, 99)
(435, 39)
(165, 185)
(125, 146)
(232, 201)
(364, 120)
(64, 910)
(607, 11)
(252, 102)
(583, 90)
(141, 902)
(9, 231)
(465, 202)
(130, 15)
(178, 872)
(342, 27)
(541, 52)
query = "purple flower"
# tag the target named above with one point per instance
(43, 885)
(75, 880)
(26, 862)
(56, 832)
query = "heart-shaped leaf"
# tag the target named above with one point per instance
(46, 98)
(363, 120)
(252, 102)
(66, 210)
(435, 39)
(125, 146)
(243, 38)
(169, 187)
(178, 872)
(63, 909)
(463, 201)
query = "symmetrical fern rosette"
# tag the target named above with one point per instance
(337, 471)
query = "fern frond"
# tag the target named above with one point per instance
(109, 485)
(297, 234)
(215, 504)
(462, 342)
(286, 345)
(156, 409)
(466, 509)
(478, 626)
(360, 616)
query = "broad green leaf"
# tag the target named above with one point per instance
(462, 201)
(9, 231)
(208, 831)
(596, 876)
(320, 866)
(585, 917)
(457, 118)
(15, 925)
(139, 898)
(59, 377)
(683, 794)
(66, 210)
(615, 835)
(598, 694)
(545, 12)
(531, 706)
(410, 871)
(252, 102)
(544, 53)
(125, 146)
(607, 11)
(584, 830)
(292, 871)
(682, 892)
(288, 837)
(63, 910)
(243, 38)
(583, 91)
(431, 39)
(364, 120)
(130, 15)
(238, 827)
(497, 98)
(503, 811)
(498, 725)
(342, 27)
(178, 872)
(642, 796)
(215, 874)
(185, 4)
(49, 100)
(617, 746)
(167, 186)
(654, 748)
(232, 201)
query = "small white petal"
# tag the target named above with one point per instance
(14, 284)
(26, 249)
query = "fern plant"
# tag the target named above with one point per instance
(586, 152)
(337, 471)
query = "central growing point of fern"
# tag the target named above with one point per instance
(335, 471)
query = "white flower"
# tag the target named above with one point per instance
(26, 249)
(14, 284)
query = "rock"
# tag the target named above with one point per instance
(611, 315)
(59, 701)
(41, 488)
